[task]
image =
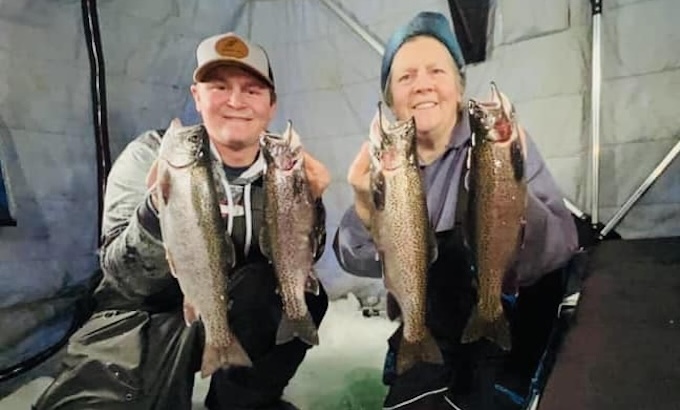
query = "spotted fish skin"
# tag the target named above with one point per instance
(497, 194)
(288, 236)
(401, 231)
(200, 253)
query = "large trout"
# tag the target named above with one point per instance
(497, 197)
(198, 249)
(288, 238)
(402, 234)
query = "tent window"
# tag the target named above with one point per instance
(5, 217)
(471, 22)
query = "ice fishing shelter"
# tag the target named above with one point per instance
(78, 80)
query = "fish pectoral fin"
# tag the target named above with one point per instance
(378, 190)
(190, 313)
(517, 159)
(163, 186)
(312, 283)
(393, 309)
(265, 246)
(299, 184)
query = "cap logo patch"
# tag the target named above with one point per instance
(231, 47)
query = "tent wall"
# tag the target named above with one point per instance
(47, 146)
(47, 153)
(327, 79)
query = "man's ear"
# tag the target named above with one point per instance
(195, 94)
(272, 113)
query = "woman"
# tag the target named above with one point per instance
(421, 77)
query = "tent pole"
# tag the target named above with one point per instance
(641, 190)
(596, 80)
(353, 24)
(573, 209)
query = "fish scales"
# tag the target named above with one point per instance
(199, 252)
(497, 205)
(403, 236)
(287, 239)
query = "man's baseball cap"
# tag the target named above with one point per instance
(426, 23)
(232, 49)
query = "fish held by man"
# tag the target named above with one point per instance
(288, 237)
(402, 234)
(199, 251)
(497, 195)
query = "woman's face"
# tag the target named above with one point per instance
(425, 83)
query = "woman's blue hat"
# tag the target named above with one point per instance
(425, 23)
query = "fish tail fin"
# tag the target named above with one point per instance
(425, 350)
(303, 328)
(496, 329)
(312, 283)
(216, 357)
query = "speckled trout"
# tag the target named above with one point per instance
(198, 249)
(402, 234)
(497, 197)
(288, 236)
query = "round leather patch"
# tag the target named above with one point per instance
(231, 47)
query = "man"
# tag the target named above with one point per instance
(421, 77)
(136, 351)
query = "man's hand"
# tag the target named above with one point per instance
(358, 177)
(317, 175)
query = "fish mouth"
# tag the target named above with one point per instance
(193, 148)
(496, 115)
(283, 151)
(391, 145)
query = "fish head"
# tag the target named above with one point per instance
(392, 145)
(282, 152)
(493, 120)
(184, 146)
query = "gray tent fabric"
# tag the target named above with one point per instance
(328, 85)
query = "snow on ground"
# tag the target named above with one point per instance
(342, 373)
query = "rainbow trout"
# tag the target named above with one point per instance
(497, 204)
(287, 238)
(402, 234)
(199, 251)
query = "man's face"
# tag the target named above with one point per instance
(425, 83)
(236, 106)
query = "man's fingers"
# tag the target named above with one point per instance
(318, 175)
(151, 176)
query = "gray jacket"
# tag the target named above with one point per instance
(550, 234)
(135, 272)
